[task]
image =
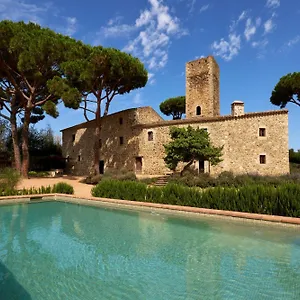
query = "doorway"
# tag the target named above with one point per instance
(201, 166)
(138, 165)
(101, 166)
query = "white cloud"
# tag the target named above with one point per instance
(204, 8)
(269, 25)
(260, 44)
(241, 17)
(293, 41)
(227, 49)
(151, 79)
(156, 27)
(71, 26)
(273, 3)
(115, 28)
(250, 29)
(191, 6)
(137, 99)
(21, 11)
(290, 43)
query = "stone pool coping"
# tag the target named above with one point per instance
(166, 207)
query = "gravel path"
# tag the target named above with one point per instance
(80, 189)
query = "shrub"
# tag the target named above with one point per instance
(63, 188)
(124, 190)
(281, 200)
(122, 175)
(9, 179)
(38, 174)
(148, 180)
(92, 179)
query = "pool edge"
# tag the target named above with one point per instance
(175, 208)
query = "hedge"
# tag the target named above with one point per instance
(283, 200)
(59, 188)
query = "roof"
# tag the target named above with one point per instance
(85, 124)
(213, 119)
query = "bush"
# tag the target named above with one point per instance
(148, 180)
(38, 174)
(124, 190)
(9, 179)
(121, 175)
(92, 179)
(63, 188)
(281, 200)
(227, 179)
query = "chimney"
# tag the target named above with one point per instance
(237, 108)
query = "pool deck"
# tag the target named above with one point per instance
(135, 204)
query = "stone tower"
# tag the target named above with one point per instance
(202, 88)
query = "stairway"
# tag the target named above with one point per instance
(162, 181)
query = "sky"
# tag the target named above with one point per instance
(255, 42)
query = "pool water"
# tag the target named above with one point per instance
(57, 250)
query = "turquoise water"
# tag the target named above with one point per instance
(64, 251)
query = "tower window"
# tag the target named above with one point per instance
(100, 144)
(198, 110)
(121, 121)
(150, 136)
(73, 137)
(262, 131)
(79, 158)
(262, 159)
(121, 140)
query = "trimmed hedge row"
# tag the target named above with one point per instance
(227, 179)
(283, 200)
(59, 188)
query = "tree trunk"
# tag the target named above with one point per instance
(186, 167)
(96, 170)
(25, 148)
(15, 142)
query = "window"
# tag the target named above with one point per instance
(121, 140)
(262, 159)
(100, 143)
(205, 129)
(262, 131)
(150, 136)
(198, 111)
(121, 121)
(79, 158)
(73, 137)
(68, 158)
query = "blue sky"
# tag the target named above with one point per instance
(254, 42)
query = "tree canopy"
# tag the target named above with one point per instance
(40, 68)
(287, 90)
(174, 107)
(189, 144)
(30, 59)
(100, 75)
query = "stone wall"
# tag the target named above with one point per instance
(202, 88)
(240, 138)
(114, 154)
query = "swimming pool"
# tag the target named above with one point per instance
(57, 250)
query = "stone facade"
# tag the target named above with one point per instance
(202, 88)
(133, 139)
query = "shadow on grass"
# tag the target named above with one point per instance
(10, 288)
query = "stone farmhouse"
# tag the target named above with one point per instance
(133, 139)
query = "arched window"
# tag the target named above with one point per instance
(198, 110)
